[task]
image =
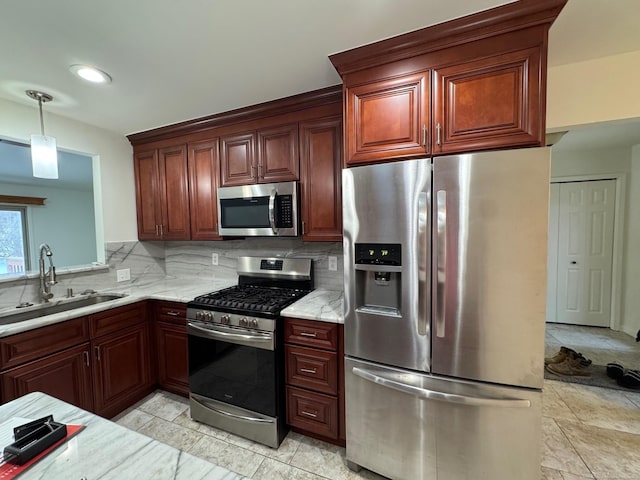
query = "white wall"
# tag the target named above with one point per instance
(590, 162)
(630, 295)
(594, 91)
(116, 183)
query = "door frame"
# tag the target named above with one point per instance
(618, 237)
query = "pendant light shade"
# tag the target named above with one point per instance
(44, 155)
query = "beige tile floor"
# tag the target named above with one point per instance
(588, 432)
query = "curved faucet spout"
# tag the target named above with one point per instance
(49, 278)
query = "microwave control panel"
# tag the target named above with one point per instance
(284, 205)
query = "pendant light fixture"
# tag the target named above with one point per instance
(44, 156)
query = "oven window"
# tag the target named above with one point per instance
(235, 374)
(245, 213)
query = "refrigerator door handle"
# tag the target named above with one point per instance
(424, 305)
(425, 394)
(441, 262)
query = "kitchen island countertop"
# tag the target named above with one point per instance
(104, 449)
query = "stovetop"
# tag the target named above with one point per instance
(249, 299)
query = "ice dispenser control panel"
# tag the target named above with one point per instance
(378, 292)
(378, 254)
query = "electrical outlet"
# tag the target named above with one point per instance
(123, 275)
(214, 259)
(333, 263)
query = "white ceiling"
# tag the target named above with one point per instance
(176, 60)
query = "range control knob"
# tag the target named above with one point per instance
(198, 315)
(254, 323)
(244, 322)
(209, 316)
(225, 319)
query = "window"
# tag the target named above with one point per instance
(14, 250)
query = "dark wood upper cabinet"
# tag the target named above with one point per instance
(162, 195)
(486, 89)
(278, 154)
(321, 179)
(263, 156)
(203, 163)
(489, 103)
(147, 177)
(237, 162)
(175, 204)
(389, 116)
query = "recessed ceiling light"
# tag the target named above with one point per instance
(90, 74)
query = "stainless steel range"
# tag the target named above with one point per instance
(236, 355)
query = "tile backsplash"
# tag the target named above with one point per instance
(151, 262)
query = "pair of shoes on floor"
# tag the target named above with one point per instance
(568, 362)
(625, 377)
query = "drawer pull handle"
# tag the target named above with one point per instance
(173, 314)
(308, 370)
(309, 414)
(86, 357)
(306, 334)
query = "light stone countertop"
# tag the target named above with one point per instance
(103, 449)
(323, 305)
(175, 290)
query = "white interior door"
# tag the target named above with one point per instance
(584, 243)
(552, 253)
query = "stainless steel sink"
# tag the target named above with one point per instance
(29, 313)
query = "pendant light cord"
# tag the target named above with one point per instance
(41, 119)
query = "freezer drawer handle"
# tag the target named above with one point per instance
(425, 394)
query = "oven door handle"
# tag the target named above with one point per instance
(233, 415)
(264, 342)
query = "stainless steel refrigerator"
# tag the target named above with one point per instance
(445, 294)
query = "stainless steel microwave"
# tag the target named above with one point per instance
(261, 210)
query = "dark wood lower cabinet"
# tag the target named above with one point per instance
(314, 358)
(173, 366)
(65, 375)
(313, 412)
(121, 370)
(104, 372)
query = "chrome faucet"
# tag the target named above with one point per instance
(48, 279)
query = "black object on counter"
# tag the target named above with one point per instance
(32, 438)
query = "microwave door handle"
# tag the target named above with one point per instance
(272, 211)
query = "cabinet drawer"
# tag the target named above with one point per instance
(23, 347)
(311, 368)
(314, 412)
(171, 312)
(310, 333)
(117, 319)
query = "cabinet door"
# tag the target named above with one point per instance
(173, 366)
(321, 179)
(278, 159)
(175, 198)
(121, 369)
(490, 103)
(148, 194)
(237, 162)
(203, 182)
(388, 119)
(65, 375)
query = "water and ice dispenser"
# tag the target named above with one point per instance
(378, 278)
